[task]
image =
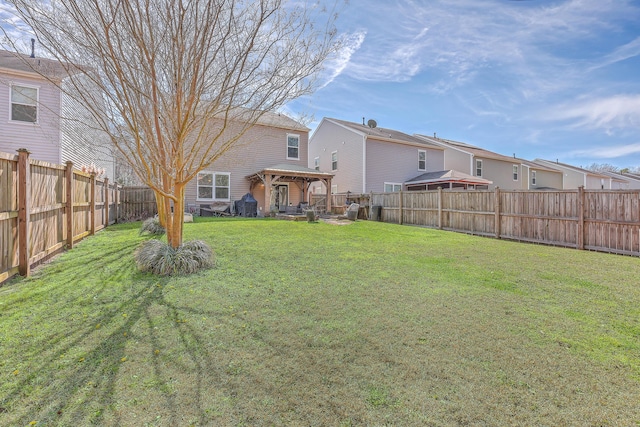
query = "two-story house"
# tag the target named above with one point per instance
(365, 157)
(269, 161)
(574, 177)
(35, 114)
(509, 173)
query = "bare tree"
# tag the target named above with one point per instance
(175, 83)
(602, 167)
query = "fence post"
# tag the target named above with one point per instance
(439, 208)
(496, 203)
(580, 236)
(69, 184)
(401, 206)
(92, 208)
(24, 211)
(106, 202)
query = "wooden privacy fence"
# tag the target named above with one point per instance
(45, 208)
(598, 220)
(137, 203)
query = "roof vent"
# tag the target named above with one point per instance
(372, 123)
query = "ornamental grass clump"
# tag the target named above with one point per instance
(159, 258)
(152, 226)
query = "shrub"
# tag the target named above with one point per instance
(159, 258)
(152, 226)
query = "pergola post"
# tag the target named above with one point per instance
(267, 194)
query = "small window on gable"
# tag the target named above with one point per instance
(422, 160)
(213, 186)
(533, 177)
(316, 163)
(293, 147)
(515, 172)
(334, 161)
(24, 104)
(478, 167)
(392, 187)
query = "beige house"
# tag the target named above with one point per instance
(508, 173)
(270, 162)
(365, 157)
(574, 177)
(36, 115)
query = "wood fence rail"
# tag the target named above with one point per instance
(598, 220)
(45, 208)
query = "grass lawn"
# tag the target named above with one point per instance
(367, 324)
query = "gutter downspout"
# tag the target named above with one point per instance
(364, 164)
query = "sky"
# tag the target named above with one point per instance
(551, 79)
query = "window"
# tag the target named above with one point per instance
(24, 101)
(478, 167)
(422, 160)
(515, 172)
(334, 161)
(316, 163)
(293, 147)
(533, 177)
(214, 186)
(392, 187)
(334, 189)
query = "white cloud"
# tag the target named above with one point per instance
(621, 53)
(615, 112)
(607, 152)
(351, 43)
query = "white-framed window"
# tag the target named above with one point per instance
(334, 189)
(316, 163)
(422, 160)
(212, 186)
(392, 187)
(24, 103)
(533, 177)
(293, 147)
(515, 172)
(478, 167)
(334, 161)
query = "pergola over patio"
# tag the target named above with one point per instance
(446, 179)
(299, 175)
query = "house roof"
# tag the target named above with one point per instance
(291, 171)
(280, 120)
(486, 154)
(384, 134)
(13, 61)
(573, 168)
(619, 177)
(448, 176)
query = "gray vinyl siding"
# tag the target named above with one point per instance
(81, 141)
(261, 147)
(42, 139)
(397, 163)
(597, 183)
(330, 137)
(459, 161)
(501, 173)
(547, 179)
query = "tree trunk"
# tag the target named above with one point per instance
(176, 219)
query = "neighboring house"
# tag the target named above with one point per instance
(623, 181)
(36, 115)
(365, 158)
(269, 161)
(574, 177)
(508, 173)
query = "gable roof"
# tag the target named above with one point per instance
(448, 176)
(384, 134)
(18, 62)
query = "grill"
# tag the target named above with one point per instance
(247, 206)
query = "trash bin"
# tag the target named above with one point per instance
(376, 213)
